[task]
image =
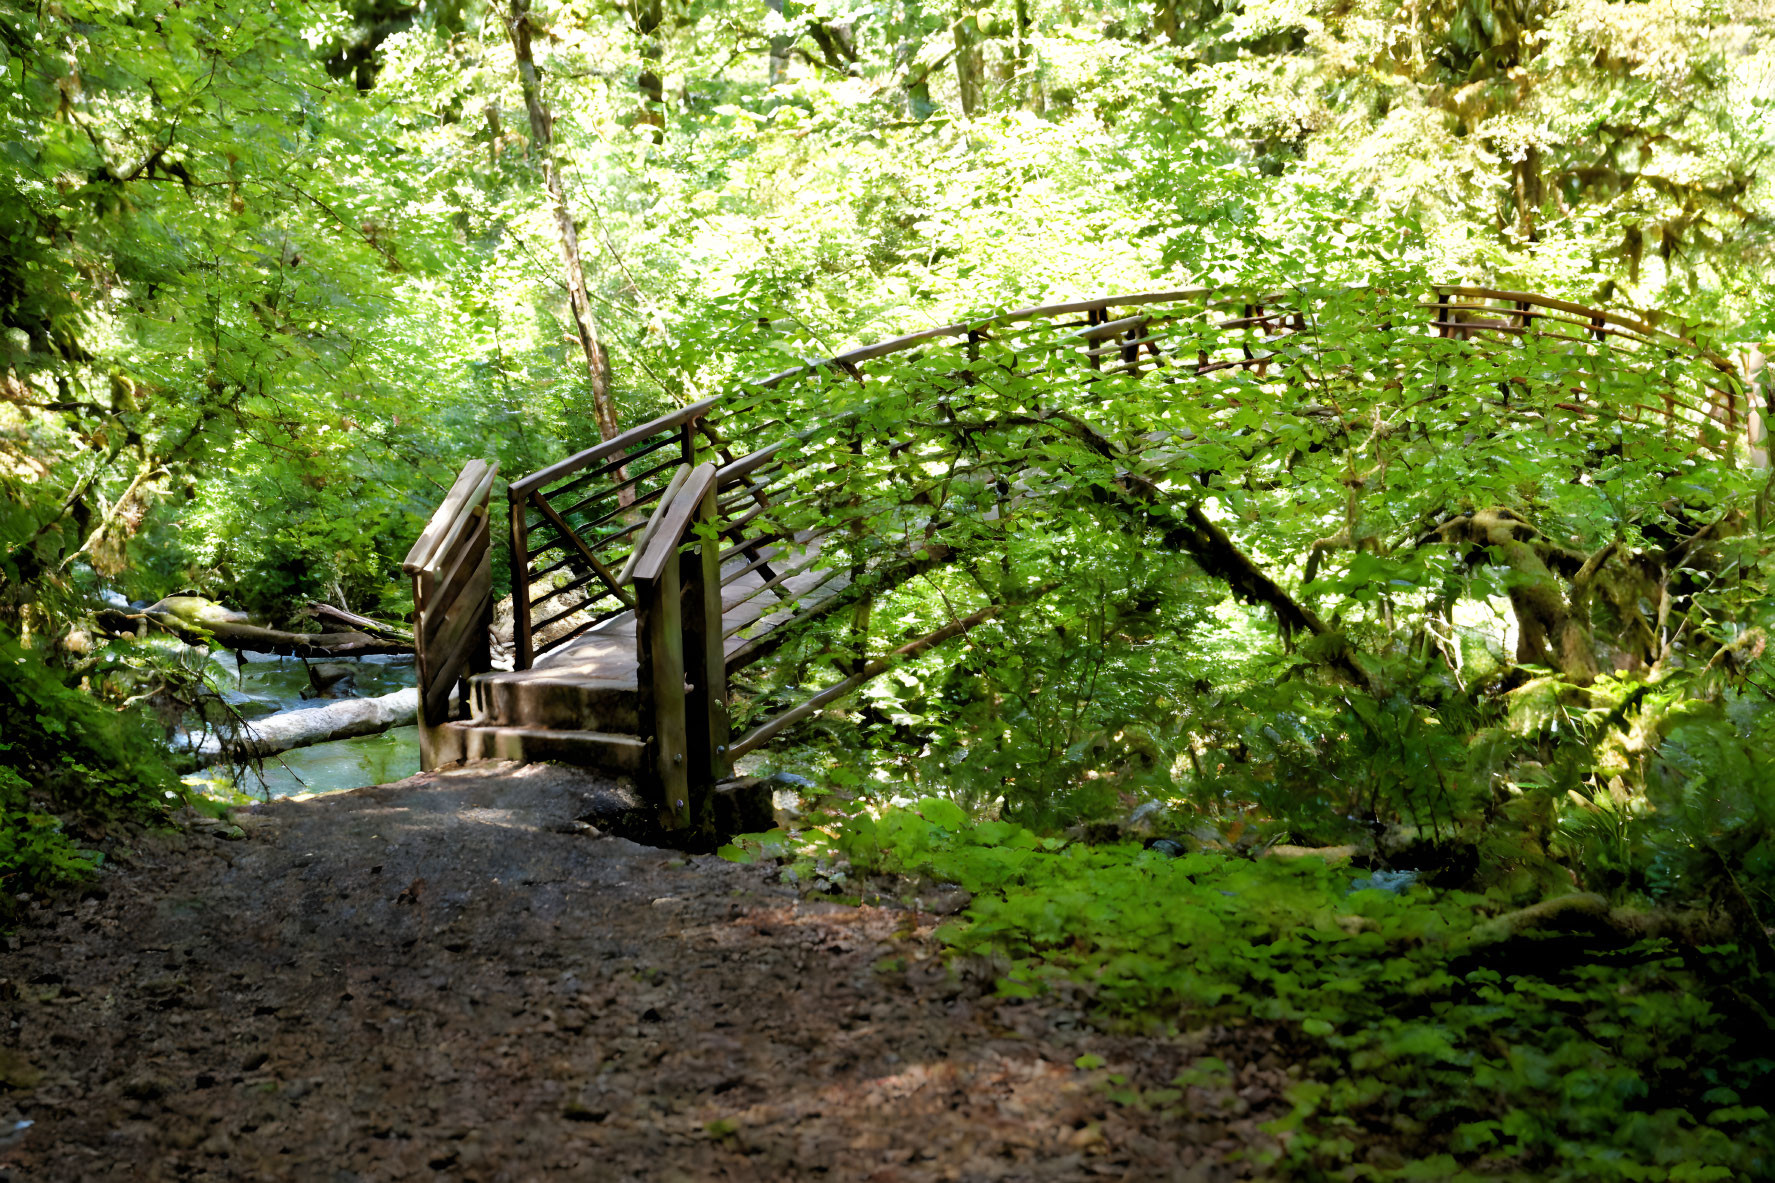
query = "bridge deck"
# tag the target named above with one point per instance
(606, 654)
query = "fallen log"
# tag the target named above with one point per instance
(300, 728)
(357, 622)
(1333, 855)
(206, 622)
(1590, 912)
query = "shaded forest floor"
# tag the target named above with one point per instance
(454, 977)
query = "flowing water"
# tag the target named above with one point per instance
(269, 684)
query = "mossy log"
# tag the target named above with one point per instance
(1590, 912)
(203, 621)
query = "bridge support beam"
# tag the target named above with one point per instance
(705, 665)
(659, 636)
(681, 677)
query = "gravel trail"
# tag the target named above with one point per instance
(453, 977)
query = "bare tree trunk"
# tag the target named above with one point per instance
(281, 732)
(779, 47)
(970, 71)
(495, 133)
(649, 14)
(909, 41)
(1166, 22)
(1027, 77)
(541, 132)
(1528, 192)
(838, 44)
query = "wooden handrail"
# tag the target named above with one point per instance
(653, 523)
(470, 488)
(1648, 331)
(854, 357)
(613, 457)
(670, 535)
(750, 463)
(612, 446)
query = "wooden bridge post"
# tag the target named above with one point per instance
(705, 668)
(659, 685)
(524, 647)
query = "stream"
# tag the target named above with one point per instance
(270, 684)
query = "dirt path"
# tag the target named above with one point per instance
(450, 978)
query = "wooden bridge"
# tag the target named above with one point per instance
(650, 568)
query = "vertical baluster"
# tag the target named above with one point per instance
(859, 633)
(524, 650)
(1263, 326)
(1603, 348)
(481, 659)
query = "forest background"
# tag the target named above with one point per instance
(273, 271)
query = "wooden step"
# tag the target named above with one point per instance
(601, 750)
(537, 698)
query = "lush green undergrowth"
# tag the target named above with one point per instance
(70, 767)
(1531, 1058)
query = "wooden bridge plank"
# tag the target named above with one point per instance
(442, 568)
(464, 612)
(606, 651)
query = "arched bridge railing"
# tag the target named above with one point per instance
(787, 536)
(573, 523)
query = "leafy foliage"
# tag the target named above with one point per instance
(63, 754)
(1389, 576)
(1522, 1060)
(273, 272)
